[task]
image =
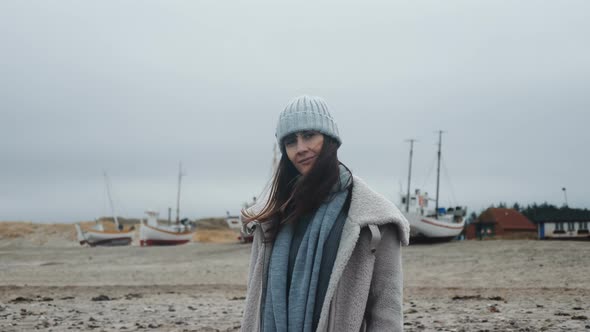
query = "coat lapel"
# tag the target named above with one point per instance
(366, 208)
(350, 235)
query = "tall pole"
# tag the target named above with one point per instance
(178, 196)
(409, 173)
(565, 195)
(440, 132)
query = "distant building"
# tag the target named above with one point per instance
(563, 224)
(500, 222)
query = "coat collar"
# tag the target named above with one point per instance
(367, 207)
(370, 208)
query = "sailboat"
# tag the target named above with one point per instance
(98, 236)
(236, 222)
(438, 224)
(152, 233)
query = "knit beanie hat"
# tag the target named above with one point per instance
(306, 113)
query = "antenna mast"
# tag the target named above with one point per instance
(409, 173)
(440, 132)
(178, 196)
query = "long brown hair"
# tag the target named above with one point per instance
(293, 195)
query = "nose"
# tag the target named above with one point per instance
(301, 146)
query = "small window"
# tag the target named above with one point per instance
(584, 225)
(571, 226)
(558, 226)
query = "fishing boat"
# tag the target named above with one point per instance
(98, 236)
(431, 223)
(236, 223)
(154, 233)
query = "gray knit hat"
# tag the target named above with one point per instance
(306, 113)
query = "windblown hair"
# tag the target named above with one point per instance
(293, 195)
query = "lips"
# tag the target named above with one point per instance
(306, 160)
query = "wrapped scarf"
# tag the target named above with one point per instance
(291, 310)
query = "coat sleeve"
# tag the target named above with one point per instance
(385, 303)
(251, 313)
(256, 243)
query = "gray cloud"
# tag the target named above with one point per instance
(135, 87)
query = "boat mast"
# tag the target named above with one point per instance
(106, 179)
(440, 132)
(178, 196)
(409, 173)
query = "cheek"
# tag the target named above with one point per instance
(290, 154)
(318, 146)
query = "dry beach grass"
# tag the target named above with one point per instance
(15, 233)
(49, 283)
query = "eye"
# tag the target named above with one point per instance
(309, 134)
(289, 140)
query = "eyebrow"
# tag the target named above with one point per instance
(303, 132)
(294, 135)
(290, 136)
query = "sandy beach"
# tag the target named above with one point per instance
(502, 285)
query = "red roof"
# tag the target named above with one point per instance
(507, 218)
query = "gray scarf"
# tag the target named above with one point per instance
(291, 310)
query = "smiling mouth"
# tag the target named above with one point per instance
(306, 160)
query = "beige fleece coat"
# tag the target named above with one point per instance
(365, 288)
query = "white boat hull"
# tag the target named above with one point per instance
(235, 223)
(424, 228)
(104, 238)
(154, 236)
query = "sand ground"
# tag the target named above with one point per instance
(517, 285)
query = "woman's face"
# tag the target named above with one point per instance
(303, 148)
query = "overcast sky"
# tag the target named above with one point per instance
(135, 87)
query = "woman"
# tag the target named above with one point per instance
(327, 249)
